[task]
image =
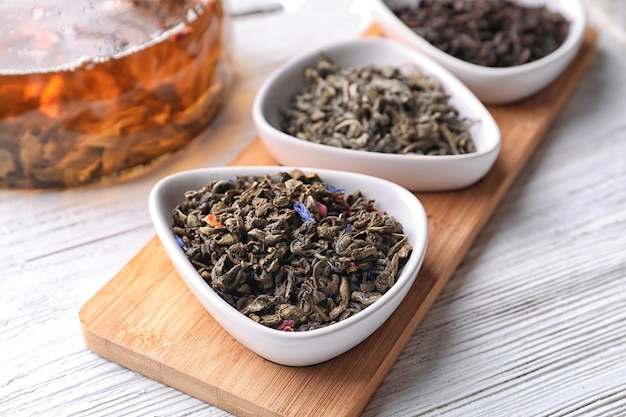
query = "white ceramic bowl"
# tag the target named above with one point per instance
(495, 85)
(415, 172)
(294, 348)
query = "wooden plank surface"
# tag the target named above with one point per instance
(147, 320)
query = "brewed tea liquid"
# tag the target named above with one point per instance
(91, 89)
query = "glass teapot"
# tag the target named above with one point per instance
(93, 89)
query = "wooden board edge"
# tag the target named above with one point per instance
(168, 376)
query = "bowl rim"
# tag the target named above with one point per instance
(454, 87)
(407, 276)
(578, 22)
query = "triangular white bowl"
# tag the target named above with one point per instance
(415, 172)
(494, 85)
(297, 348)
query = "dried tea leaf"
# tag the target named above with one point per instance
(377, 109)
(494, 33)
(290, 248)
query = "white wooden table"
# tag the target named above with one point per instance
(533, 323)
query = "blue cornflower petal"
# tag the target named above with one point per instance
(180, 242)
(333, 189)
(304, 212)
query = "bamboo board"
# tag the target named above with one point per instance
(147, 320)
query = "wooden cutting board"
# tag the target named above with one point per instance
(147, 320)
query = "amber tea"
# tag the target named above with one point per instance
(94, 89)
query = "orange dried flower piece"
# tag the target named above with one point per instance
(211, 220)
